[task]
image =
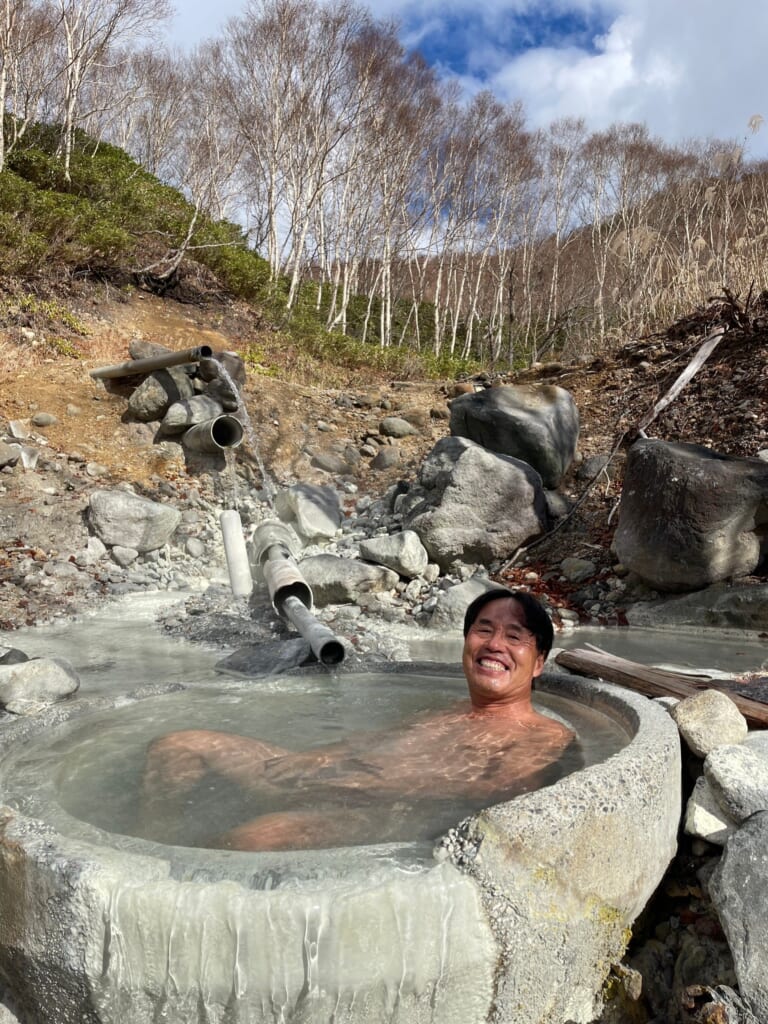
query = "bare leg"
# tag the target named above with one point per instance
(178, 762)
(297, 830)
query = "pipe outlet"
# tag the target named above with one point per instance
(214, 435)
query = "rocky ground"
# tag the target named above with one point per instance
(85, 440)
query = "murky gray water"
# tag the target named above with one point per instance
(91, 768)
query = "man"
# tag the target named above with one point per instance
(490, 749)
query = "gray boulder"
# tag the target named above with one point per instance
(705, 818)
(158, 392)
(9, 454)
(721, 606)
(739, 890)
(396, 426)
(129, 521)
(28, 687)
(536, 423)
(690, 516)
(479, 506)
(452, 603)
(313, 510)
(738, 778)
(335, 580)
(402, 552)
(709, 719)
(190, 411)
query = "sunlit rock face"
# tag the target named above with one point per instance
(690, 516)
(517, 919)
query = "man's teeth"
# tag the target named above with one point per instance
(492, 663)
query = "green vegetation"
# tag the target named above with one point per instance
(113, 219)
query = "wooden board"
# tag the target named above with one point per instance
(656, 682)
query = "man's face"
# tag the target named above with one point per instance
(500, 655)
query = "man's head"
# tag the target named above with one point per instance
(507, 637)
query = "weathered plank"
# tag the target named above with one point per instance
(656, 682)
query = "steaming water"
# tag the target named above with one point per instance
(91, 769)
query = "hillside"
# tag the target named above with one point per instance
(725, 407)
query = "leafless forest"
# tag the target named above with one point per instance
(436, 221)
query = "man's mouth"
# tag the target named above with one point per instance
(492, 664)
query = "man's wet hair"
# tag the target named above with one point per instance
(535, 616)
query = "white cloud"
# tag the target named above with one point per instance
(688, 68)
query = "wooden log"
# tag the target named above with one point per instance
(656, 682)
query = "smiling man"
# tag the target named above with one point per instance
(493, 748)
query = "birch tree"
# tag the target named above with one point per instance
(90, 29)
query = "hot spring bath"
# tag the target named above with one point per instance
(101, 925)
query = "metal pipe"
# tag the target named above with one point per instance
(132, 366)
(290, 593)
(327, 648)
(214, 435)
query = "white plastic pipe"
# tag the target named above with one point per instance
(237, 557)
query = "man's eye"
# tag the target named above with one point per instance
(517, 638)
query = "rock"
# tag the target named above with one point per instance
(538, 424)
(739, 891)
(190, 411)
(9, 454)
(402, 552)
(385, 458)
(335, 580)
(709, 719)
(44, 419)
(267, 659)
(124, 556)
(690, 516)
(12, 656)
(127, 520)
(595, 465)
(576, 570)
(721, 606)
(29, 686)
(314, 511)
(738, 777)
(195, 547)
(158, 392)
(480, 507)
(448, 613)
(93, 552)
(222, 391)
(330, 463)
(705, 818)
(396, 426)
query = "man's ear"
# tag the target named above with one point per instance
(538, 667)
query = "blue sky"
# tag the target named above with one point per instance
(688, 68)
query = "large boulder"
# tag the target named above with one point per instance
(335, 580)
(690, 516)
(127, 520)
(478, 506)
(536, 423)
(739, 890)
(312, 509)
(158, 392)
(190, 411)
